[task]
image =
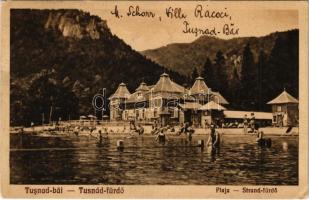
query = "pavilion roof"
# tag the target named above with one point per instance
(137, 97)
(165, 84)
(121, 92)
(199, 87)
(217, 97)
(284, 97)
(142, 87)
(211, 105)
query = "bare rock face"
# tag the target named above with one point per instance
(73, 24)
(91, 28)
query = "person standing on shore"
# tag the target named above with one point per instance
(245, 124)
(252, 122)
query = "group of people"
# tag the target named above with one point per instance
(91, 132)
(214, 139)
(250, 126)
(136, 128)
(249, 123)
(254, 129)
(161, 131)
(187, 130)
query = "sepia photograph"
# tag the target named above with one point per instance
(131, 93)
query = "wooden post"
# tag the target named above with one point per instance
(50, 113)
(42, 118)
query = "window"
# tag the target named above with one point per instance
(279, 108)
(175, 114)
(137, 114)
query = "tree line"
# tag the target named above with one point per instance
(257, 81)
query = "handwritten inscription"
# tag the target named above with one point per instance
(175, 13)
(115, 12)
(229, 29)
(135, 11)
(198, 31)
(200, 12)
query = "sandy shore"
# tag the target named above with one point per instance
(266, 130)
(199, 131)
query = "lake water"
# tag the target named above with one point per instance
(78, 160)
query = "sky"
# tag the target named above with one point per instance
(143, 33)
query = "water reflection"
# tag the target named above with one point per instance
(214, 153)
(285, 146)
(143, 161)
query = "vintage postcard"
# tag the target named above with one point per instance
(154, 99)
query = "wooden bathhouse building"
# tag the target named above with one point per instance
(166, 102)
(117, 100)
(285, 110)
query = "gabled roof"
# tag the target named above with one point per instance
(121, 92)
(211, 105)
(140, 94)
(137, 97)
(217, 97)
(190, 105)
(165, 84)
(199, 87)
(284, 97)
(142, 87)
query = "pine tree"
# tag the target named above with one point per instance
(262, 80)
(283, 66)
(46, 92)
(248, 80)
(234, 89)
(208, 74)
(220, 74)
(194, 75)
(188, 81)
